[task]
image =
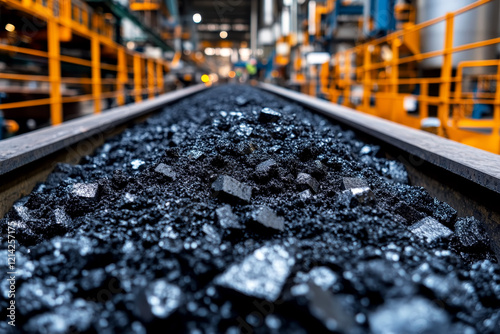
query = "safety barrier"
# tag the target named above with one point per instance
(131, 73)
(378, 78)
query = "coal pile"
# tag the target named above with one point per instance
(234, 211)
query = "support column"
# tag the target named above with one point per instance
(137, 78)
(151, 79)
(445, 86)
(394, 78)
(159, 77)
(496, 116)
(95, 51)
(56, 112)
(253, 27)
(121, 77)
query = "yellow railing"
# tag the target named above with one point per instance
(144, 5)
(376, 78)
(67, 17)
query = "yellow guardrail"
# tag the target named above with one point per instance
(382, 84)
(67, 17)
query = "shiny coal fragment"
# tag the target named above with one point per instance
(212, 234)
(158, 300)
(268, 115)
(261, 274)
(356, 196)
(22, 210)
(305, 194)
(353, 182)
(62, 217)
(226, 217)
(268, 218)
(326, 308)
(195, 154)
(232, 188)
(87, 190)
(471, 234)
(166, 171)
(246, 147)
(307, 180)
(430, 229)
(241, 101)
(265, 166)
(397, 172)
(411, 316)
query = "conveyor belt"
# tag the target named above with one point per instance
(236, 210)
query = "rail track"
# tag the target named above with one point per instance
(238, 210)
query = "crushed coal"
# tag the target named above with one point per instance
(234, 211)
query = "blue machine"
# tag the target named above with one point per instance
(381, 11)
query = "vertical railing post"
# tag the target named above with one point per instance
(446, 70)
(496, 114)
(137, 78)
(56, 112)
(394, 78)
(367, 78)
(159, 77)
(121, 76)
(347, 77)
(151, 78)
(424, 103)
(95, 51)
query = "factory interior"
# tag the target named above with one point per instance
(430, 65)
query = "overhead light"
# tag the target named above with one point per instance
(205, 78)
(223, 34)
(197, 18)
(10, 27)
(209, 51)
(226, 52)
(130, 45)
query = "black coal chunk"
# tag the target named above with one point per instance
(471, 234)
(241, 100)
(261, 274)
(158, 300)
(430, 229)
(85, 190)
(268, 218)
(353, 182)
(410, 316)
(226, 217)
(307, 180)
(233, 189)
(166, 171)
(354, 196)
(269, 115)
(326, 307)
(265, 167)
(305, 194)
(195, 154)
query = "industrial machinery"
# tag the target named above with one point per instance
(431, 65)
